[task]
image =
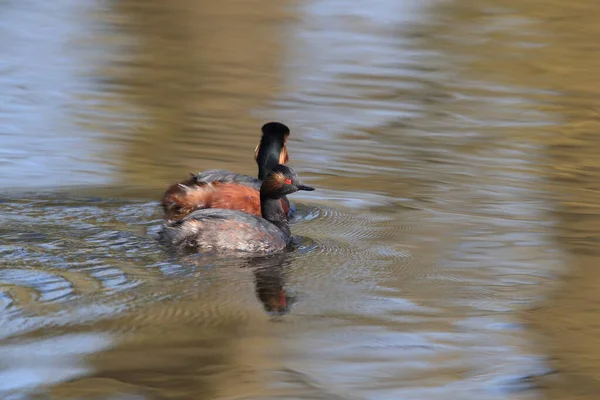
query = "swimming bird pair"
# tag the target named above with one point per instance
(222, 211)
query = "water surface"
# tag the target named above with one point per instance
(448, 252)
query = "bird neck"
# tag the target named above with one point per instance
(273, 212)
(268, 156)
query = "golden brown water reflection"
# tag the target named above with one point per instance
(449, 252)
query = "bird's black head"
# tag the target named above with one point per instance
(281, 181)
(271, 150)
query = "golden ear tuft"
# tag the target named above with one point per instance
(256, 151)
(283, 155)
(275, 181)
(279, 177)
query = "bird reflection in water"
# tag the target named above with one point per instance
(269, 273)
(269, 276)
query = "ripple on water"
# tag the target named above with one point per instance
(72, 251)
(47, 286)
(353, 238)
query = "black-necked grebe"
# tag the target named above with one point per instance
(219, 188)
(234, 230)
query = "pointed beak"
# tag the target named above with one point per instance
(307, 188)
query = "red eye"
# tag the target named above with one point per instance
(288, 181)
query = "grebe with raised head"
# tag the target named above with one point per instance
(217, 188)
